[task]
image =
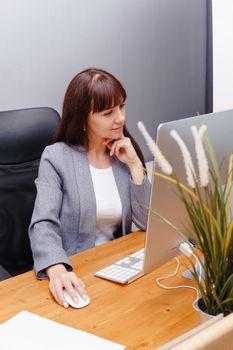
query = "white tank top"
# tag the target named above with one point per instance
(108, 204)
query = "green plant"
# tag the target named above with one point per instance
(207, 200)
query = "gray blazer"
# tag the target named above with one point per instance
(64, 217)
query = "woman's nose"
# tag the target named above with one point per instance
(120, 115)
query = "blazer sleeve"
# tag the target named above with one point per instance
(45, 228)
(140, 198)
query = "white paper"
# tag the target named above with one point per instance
(28, 331)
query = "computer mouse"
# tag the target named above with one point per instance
(82, 301)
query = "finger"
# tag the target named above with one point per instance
(75, 287)
(115, 144)
(108, 143)
(112, 149)
(121, 145)
(80, 286)
(57, 292)
(72, 292)
(60, 297)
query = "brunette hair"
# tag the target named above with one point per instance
(92, 90)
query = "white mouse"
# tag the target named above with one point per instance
(82, 302)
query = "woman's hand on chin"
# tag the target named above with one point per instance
(123, 149)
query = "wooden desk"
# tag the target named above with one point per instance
(140, 315)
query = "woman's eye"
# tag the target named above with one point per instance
(108, 113)
(122, 105)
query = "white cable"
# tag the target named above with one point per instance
(187, 249)
(177, 287)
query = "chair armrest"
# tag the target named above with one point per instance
(4, 274)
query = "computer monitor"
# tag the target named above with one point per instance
(162, 242)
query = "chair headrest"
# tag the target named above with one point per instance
(24, 133)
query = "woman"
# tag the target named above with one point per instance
(90, 183)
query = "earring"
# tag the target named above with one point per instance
(84, 128)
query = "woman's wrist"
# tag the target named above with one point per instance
(53, 270)
(137, 172)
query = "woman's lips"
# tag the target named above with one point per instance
(118, 129)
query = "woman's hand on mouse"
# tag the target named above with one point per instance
(123, 149)
(59, 279)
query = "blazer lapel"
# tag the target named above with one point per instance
(87, 224)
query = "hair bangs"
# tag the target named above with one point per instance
(106, 94)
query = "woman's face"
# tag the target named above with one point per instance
(106, 125)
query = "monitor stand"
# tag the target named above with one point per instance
(189, 272)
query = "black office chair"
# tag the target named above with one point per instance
(23, 136)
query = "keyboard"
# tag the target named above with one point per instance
(124, 270)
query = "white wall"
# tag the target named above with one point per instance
(44, 43)
(222, 54)
(157, 48)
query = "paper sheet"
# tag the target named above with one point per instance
(28, 331)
